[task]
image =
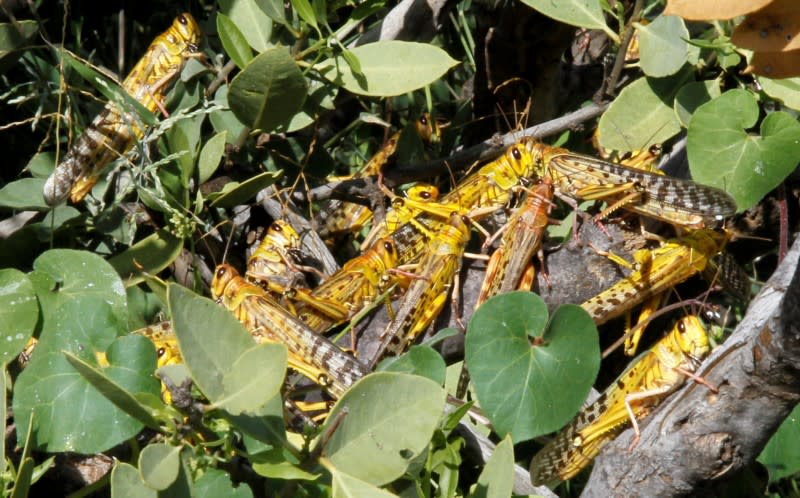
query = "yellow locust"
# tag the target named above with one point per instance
(484, 190)
(401, 211)
(167, 352)
(510, 266)
(427, 293)
(343, 217)
(676, 201)
(635, 393)
(273, 265)
(319, 359)
(112, 132)
(654, 272)
(355, 285)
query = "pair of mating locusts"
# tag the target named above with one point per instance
(113, 131)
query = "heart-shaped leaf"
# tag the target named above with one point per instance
(530, 379)
(723, 154)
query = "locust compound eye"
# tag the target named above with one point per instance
(182, 19)
(221, 271)
(161, 352)
(276, 227)
(389, 247)
(681, 327)
(516, 154)
(425, 195)
(423, 120)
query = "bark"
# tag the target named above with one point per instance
(697, 437)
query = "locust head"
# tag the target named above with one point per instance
(691, 337)
(184, 33)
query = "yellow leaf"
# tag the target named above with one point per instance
(775, 65)
(712, 9)
(775, 28)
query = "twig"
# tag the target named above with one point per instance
(609, 85)
(222, 76)
(484, 151)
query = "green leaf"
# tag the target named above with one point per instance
(581, 13)
(159, 464)
(184, 137)
(348, 486)
(723, 154)
(233, 41)
(251, 20)
(781, 455)
(13, 37)
(352, 62)
(280, 468)
(210, 156)
(225, 121)
(62, 275)
(419, 360)
(274, 9)
(215, 483)
(785, 90)
(126, 482)
(497, 478)
(693, 95)
(376, 439)
(111, 390)
(4, 406)
(235, 193)
(269, 91)
(70, 414)
(254, 379)
(26, 193)
(306, 12)
(320, 97)
(642, 114)
(662, 46)
(151, 254)
(42, 164)
(19, 313)
(530, 380)
(266, 426)
(384, 67)
(24, 477)
(209, 350)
